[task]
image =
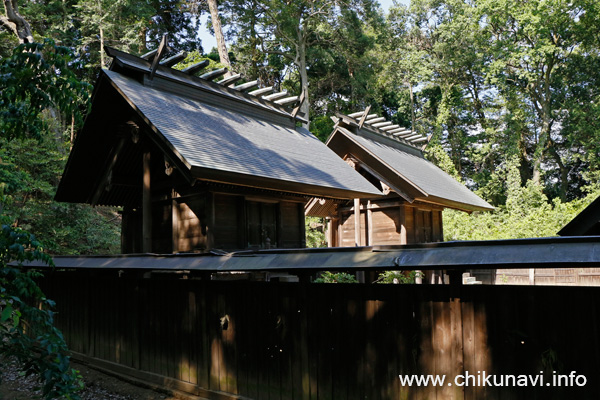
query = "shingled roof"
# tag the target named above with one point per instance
(402, 164)
(208, 131)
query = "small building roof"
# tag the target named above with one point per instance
(210, 131)
(586, 223)
(402, 165)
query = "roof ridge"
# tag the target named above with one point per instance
(387, 129)
(252, 90)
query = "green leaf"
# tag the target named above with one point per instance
(6, 313)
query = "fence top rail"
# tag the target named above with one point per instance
(515, 253)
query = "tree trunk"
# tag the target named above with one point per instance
(216, 23)
(15, 23)
(301, 63)
(102, 61)
(564, 172)
(412, 107)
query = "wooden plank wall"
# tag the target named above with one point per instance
(328, 341)
(541, 276)
(391, 224)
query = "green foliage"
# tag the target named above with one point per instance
(321, 127)
(29, 171)
(335, 277)
(27, 329)
(195, 57)
(315, 232)
(398, 277)
(111, 23)
(528, 213)
(38, 77)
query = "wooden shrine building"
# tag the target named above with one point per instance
(416, 191)
(198, 164)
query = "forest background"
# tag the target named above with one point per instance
(509, 91)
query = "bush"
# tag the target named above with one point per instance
(398, 277)
(27, 330)
(335, 277)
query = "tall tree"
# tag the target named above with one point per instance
(121, 23)
(218, 30)
(534, 44)
(290, 31)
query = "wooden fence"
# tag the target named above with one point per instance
(329, 341)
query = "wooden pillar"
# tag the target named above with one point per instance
(360, 275)
(403, 232)
(243, 223)
(437, 226)
(369, 224)
(146, 206)
(302, 223)
(531, 276)
(357, 222)
(210, 221)
(175, 221)
(329, 232)
(333, 232)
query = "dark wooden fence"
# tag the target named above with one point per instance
(327, 341)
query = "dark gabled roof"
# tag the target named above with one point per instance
(403, 167)
(206, 130)
(216, 141)
(586, 223)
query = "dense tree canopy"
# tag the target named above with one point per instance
(500, 85)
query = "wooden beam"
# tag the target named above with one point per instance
(419, 140)
(371, 171)
(381, 124)
(169, 62)
(209, 76)
(192, 69)
(162, 48)
(389, 128)
(412, 137)
(358, 114)
(347, 120)
(374, 120)
(261, 91)
(287, 100)
(275, 96)
(301, 100)
(364, 117)
(112, 160)
(427, 142)
(149, 55)
(146, 205)
(246, 86)
(398, 131)
(230, 80)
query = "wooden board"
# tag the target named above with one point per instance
(304, 341)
